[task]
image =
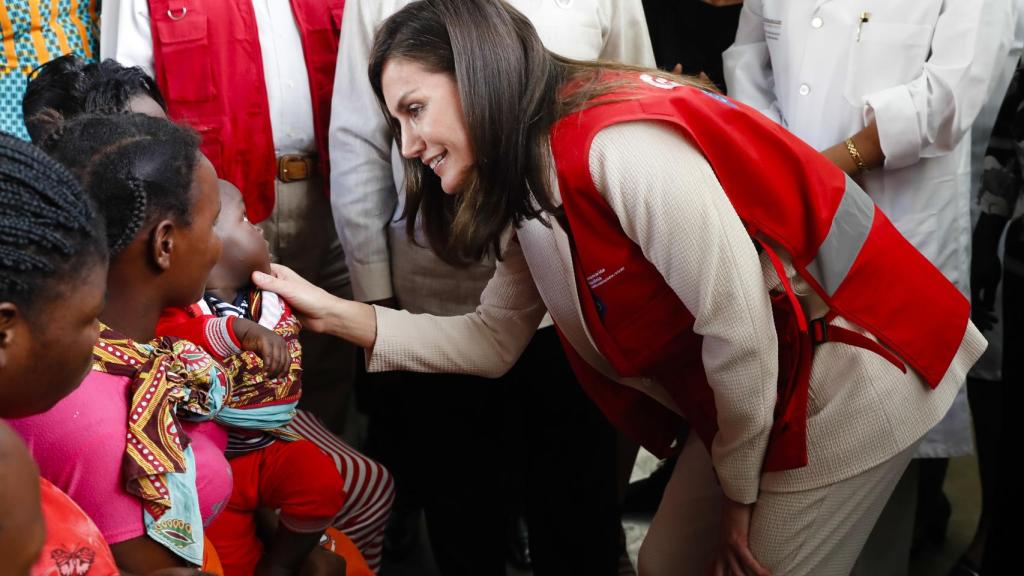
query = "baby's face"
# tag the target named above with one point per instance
(245, 249)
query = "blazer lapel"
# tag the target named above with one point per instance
(549, 256)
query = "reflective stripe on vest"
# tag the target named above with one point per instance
(850, 228)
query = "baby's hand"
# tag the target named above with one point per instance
(266, 344)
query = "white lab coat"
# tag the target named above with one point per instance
(921, 69)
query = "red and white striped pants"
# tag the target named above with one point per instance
(369, 488)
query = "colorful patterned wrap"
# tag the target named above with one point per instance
(258, 402)
(170, 379)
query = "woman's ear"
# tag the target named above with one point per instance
(162, 244)
(11, 323)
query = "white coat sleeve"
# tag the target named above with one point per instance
(363, 193)
(928, 116)
(625, 31)
(748, 66)
(670, 203)
(485, 342)
(126, 33)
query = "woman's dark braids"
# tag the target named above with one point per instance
(46, 223)
(134, 167)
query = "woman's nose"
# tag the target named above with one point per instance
(412, 144)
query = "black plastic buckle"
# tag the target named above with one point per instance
(819, 331)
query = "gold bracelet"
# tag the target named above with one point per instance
(852, 149)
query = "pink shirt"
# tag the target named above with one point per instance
(79, 444)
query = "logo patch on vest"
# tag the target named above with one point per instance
(659, 82)
(602, 277)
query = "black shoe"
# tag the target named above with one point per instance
(518, 540)
(965, 567)
(930, 524)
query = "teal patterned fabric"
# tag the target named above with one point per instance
(33, 32)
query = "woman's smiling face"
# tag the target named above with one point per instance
(427, 107)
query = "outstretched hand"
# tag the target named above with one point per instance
(319, 310)
(309, 302)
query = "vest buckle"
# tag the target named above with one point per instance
(819, 330)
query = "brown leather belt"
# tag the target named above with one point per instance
(295, 167)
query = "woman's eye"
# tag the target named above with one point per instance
(414, 110)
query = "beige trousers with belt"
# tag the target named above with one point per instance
(816, 532)
(302, 236)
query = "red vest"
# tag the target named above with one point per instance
(210, 69)
(782, 189)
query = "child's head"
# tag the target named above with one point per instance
(245, 249)
(53, 277)
(70, 87)
(159, 197)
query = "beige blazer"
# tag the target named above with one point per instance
(862, 410)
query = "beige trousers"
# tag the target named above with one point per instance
(302, 236)
(818, 531)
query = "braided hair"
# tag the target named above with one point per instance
(49, 232)
(70, 86)
(136, 168)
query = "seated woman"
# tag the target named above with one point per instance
(149, 496)
(54, 245)
(71, 87)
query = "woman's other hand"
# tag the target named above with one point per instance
(734, 557)
(318, 310)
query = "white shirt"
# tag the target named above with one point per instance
(365, 170)
(125, 36)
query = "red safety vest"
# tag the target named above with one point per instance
(783, 190)
(210, 69)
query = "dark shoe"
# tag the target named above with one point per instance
(965, 567)
(930, 524)
(518, 541)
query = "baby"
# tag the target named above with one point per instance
(254, 334)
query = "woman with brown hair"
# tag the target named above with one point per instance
(695, 258)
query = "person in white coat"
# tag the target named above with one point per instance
(889, 91)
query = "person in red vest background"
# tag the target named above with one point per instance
(733, 278)
(254, 78)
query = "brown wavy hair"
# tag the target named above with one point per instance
(511, 91)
